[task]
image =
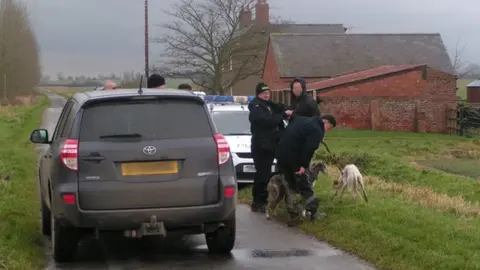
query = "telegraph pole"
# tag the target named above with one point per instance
(146, 41)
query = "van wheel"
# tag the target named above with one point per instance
(46, 222)
(222, 240)
(64, 240)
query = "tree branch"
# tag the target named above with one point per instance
(205, 36)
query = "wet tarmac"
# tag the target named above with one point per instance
(260, 244)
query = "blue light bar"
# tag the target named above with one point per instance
(227, 99)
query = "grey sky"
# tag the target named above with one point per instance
(102, 36)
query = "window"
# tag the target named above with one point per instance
(152, 119)
(58, 133)
(232, 123)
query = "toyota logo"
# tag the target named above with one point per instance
(149, 150)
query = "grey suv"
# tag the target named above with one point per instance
(141, 162)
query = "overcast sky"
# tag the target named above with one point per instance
(101, 36)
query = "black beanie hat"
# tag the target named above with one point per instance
(155, 81)
(261, 87)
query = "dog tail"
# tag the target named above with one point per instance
(363, 189)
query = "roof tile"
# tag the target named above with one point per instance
(359, 76)
(327, 55)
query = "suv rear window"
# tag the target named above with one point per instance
(152, 119)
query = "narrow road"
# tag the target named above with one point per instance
(261, 244)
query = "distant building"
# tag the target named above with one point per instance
(409, 98)
(473, 92)
(262, 20)
(322, 56)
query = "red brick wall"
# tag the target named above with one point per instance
(271, 75)
(413, 102)
(387, 114)
(406, 84)
(441, 86)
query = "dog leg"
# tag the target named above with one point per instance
(273, 194)
(362, 186)
(342, 189)
(354, 190)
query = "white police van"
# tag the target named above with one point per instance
(230, 115)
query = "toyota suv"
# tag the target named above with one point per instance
(143, 162)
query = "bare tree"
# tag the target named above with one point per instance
(460, 65)
(206, 38)
(19, 59)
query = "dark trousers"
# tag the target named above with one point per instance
(263, 161)
(301, 183)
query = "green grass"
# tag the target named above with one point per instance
(462, 87)
(67, 92)
(20, 239)
(416, 218)
(467, 167)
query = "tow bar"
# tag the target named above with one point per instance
(149, 228)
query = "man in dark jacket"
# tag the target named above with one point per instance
(294, 153)
(266, 121)
(302, 103)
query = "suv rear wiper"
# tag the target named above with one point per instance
(124, 135)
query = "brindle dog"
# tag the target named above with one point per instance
(279, 189)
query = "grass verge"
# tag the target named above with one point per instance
(20, 240)
(416, 218)
(67, 92)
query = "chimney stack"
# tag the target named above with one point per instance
(245, 18)
(262, 12)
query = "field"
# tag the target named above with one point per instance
(423, 210)
(67, 92)
(462, 87)
(20, 238)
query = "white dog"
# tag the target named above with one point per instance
(350, 177)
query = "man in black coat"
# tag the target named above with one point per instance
(302, 103)
(295, 151)
(266, 123)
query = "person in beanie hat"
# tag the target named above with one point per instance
(266, 120)
(155, 81)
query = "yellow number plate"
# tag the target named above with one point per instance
(149, 168)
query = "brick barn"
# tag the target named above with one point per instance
(261, 21)
(321, 56)
(411, 98)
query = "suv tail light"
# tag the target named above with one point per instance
(223, 149)
(69, 154)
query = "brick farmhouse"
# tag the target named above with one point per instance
(395, 82)
(262, 24)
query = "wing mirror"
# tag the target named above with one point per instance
(39, 136)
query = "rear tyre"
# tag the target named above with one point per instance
(222, 240)
(46, 219)
(64, 241)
